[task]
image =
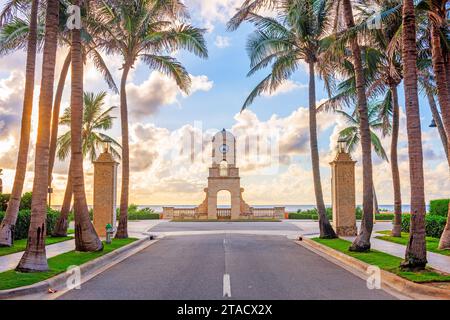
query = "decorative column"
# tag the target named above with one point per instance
(105, 192)
(343, 194)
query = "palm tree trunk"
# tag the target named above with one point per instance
(440, 72)
(438, 120)
(376, 209)
(122, 230)
(62, 224)
(326, 230)
(397, 226)
(34, 259)
(416, 254)
(86, 239)
(9, 221)
(362, 241)
(55, 115)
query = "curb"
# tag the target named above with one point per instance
(389, 280)
(88, 267)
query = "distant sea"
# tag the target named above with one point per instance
(289, 208)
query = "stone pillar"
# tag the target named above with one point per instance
(212, 205)
(105, 192)
(236, 205)
(343, 194)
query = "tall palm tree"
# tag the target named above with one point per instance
(296, 36)
(9, 221)
(440, 48)
(89, 52)
(362, 241)
(14, 35)
(34, 257)
(144, 29)
(86, 238)
(382, 70)
(95, 120)
(415, 256)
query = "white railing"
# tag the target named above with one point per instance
(224, 213)
(184, 212)
(263, 212)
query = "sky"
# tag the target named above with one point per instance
(162, 119)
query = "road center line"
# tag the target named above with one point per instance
(226, 285)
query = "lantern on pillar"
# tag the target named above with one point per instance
(342, 145)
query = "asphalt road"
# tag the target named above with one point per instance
(217, 266)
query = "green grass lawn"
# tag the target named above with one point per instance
(12, 279)
(20, 245)
(432, 243)
(384, 261)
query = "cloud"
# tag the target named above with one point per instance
(157, 91)
(213, 11)
(222, 42)
(286, 87)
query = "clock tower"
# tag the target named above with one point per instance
(224, 149)
(224, 175)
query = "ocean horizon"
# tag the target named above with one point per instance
(289, 208)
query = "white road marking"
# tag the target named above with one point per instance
(226, 285)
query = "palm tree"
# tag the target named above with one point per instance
(382, 71)
(440, 48)
(144, 29)
(415, 256)
(86, 238)
(89, 52)
(352, 134)
(95, 120)
(283, 43)
(9, 221)
(34, 257)
(362, 241)
(13, 36)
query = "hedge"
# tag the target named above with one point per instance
(439, 207)
(434, 224)
(312, 214)
(23, 223)
(134, 213)
(25, 201)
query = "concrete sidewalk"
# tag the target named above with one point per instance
(136, 229)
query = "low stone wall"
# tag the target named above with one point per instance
(223, 213)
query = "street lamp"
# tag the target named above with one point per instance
(342, 144)
(433, 124)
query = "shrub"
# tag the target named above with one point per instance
(384, 216)
(134, 213)
(434, 224)
(439, 207)
(23, 223)
(301, 216)
(25, 201)
(4, 198)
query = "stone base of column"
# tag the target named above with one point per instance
(347, 231)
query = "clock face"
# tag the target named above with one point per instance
(224, 148)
